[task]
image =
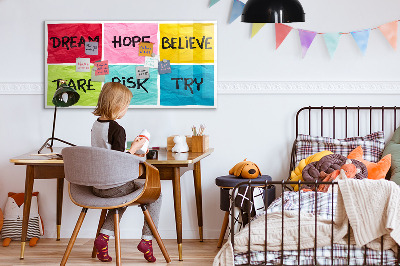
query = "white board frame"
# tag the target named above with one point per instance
(158, 106)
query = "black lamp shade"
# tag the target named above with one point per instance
(273, 11)
(65, 96)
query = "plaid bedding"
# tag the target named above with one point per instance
(324, 257)
(323, 207)
(372, 145)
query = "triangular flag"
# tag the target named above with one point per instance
(332, 41)
(390, 32)
(237, 9)
(361, 37)
(306, 39)
(255, 28)
(213, 2)
(281, 31)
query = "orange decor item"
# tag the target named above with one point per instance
(245, 169)
(375, 170)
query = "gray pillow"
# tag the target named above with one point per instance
(393, 148)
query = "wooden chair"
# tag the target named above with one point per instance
(85, 167)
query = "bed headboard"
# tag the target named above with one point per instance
(344, 121)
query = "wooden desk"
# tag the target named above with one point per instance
(171, 167)
(40, 167)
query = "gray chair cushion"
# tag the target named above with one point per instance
(84, 196)
(99, 167)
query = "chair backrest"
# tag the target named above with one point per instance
(92, 166)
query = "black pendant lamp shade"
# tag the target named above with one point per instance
(273, 11)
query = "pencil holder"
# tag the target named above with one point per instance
(200, 143)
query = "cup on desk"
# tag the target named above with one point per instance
(152, 155)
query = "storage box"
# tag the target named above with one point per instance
(200, 143)
(171, 143)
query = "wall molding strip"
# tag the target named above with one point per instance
(259, 87)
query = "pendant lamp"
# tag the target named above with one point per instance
(63, 97)
(272, 11)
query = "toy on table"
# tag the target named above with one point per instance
(180, 144)
(13, 215)
(245, 169)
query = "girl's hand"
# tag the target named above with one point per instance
(142, 155)
(137, 144)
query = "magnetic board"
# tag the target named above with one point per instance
(165, 64)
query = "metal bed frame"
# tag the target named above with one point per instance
(284, 184)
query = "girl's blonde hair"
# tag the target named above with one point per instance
(112, 99)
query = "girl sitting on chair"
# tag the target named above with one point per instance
(114, 100)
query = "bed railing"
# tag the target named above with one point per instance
(333, 120)
(283, 184)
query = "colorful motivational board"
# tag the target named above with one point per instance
(131, 53)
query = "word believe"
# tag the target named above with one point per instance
(71, 42)
(128, 41)
(186, 43)
(188, 82)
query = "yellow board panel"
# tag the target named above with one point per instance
(187, 42)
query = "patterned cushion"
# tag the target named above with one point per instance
(372, 144)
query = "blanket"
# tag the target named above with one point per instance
(371, 207)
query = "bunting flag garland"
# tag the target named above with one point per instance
(389, 30)
(213, 2)
(306, 39)
(256, 27)
(281, 31)
(237, 8)
(361, 38)
(332, 41)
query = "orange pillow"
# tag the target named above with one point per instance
(375, 170)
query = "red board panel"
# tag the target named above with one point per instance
(66, 42)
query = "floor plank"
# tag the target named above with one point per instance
(49, 252)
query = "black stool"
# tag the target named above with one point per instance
(226, 183)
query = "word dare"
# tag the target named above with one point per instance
(186, 43)
(71, 41)
(80, 84)
(133, 83)
(188, 82)
(128, 41)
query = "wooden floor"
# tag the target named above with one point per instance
(50, 252)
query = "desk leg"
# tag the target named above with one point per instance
(199, 204)
(176, 183)
(60, 190)
(27, 206)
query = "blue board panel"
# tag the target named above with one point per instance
(145, 91)
(188, 85)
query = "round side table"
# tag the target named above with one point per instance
(228, 182)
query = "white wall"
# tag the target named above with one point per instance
(258, 126)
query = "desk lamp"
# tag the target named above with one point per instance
(63, 97)
(272, 11)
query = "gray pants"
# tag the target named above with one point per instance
(153, 208)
